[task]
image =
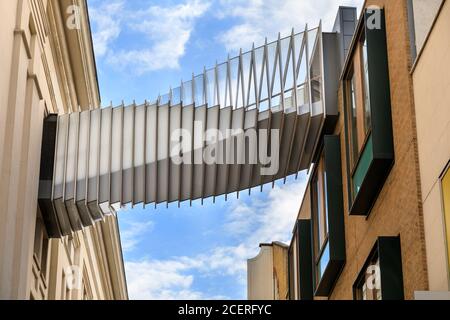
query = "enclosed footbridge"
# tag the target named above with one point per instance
(244, 123)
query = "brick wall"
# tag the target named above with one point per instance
(398, 209)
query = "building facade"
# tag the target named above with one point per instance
(48, 67)
(374, 221)
(268, 273)
(431, 99)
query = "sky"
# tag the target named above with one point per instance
(144, 47)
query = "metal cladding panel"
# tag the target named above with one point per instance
(212, 136)
(116, 156)
(60, 156)
(128, 155)
(105, 156)
(211, 154)
(222, 168)
(83, 154)
(199, 138)
(94, 144)
(187, 146)
(174, 144)
(236, 154)
(72, 156)
(140, 121)
(162, 153)
(151, 151)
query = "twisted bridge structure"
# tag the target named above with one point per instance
(258, 116)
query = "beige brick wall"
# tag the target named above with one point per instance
(398, 209)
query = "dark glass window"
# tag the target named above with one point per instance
(358, 102)
(320, 220)
(369, 284)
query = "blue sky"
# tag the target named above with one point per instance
(144, 47)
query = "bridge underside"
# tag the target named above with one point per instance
(187, 146)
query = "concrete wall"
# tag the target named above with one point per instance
(260, 281)
(432, 98)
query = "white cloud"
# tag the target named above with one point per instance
(258, 19)
(252, 223)
(133, 232)
(165, 32)
(163, 280)
(107, 21)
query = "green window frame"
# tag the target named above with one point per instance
(370, 151)
(327, 222)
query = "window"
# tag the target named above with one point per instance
(368, 119)
(381, 277)
(369, 286)
(366, 86)
(358, 97)
(446, 198)
(300, 271)
(320, 221)
(327, 232)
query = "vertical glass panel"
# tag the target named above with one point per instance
(246, 74)
(367, 111)
(234, 74)
(298, 44)
(302, 68)
(290, 72)
(176, 96)
(285, 56)
(258, 65)
(264, 94)
(271, 61)
(187, 93)
(353, 120)
(199, 90)
(312, 37)
(288, 99)
(316, 80)
(276, 77)
(222, 84)
(211, 96)
(128, 137)
(164, 99)
(251, 99)
(323, 262)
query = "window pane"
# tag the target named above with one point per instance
(187, 93)
(369, 285)
(222, 85)
(211, 96)
(176, 96)
(323, 262)
(365, 65)
(353, 121)
(199, 90)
